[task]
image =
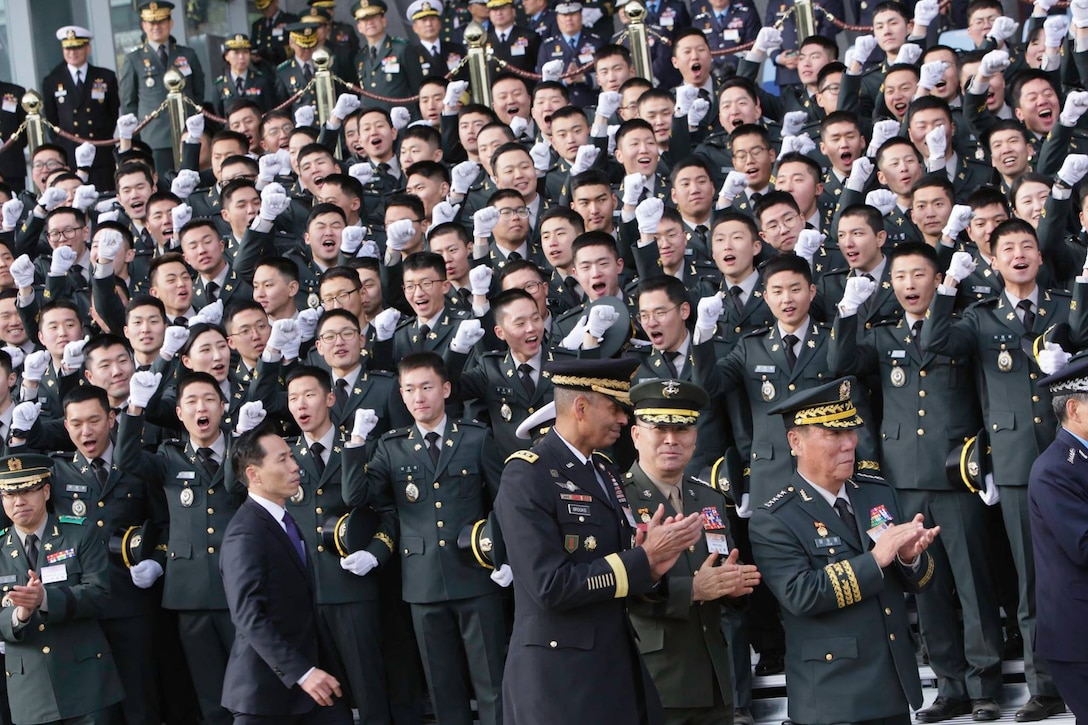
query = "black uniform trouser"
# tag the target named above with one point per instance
(353, 633)
(338, 714)
(206, 637)
(108, 716)
(966, 657)
(404, 679)
(717, 714)
(1072, 681)
(130, 643)
(453, 633)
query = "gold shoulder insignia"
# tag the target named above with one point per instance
(527, 456)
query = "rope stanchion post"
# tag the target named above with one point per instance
(323, 87)
(479, 78)
(640, 44)
(35, 127)
(806, 19)
(175, 110)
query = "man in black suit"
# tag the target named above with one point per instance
(274, 673)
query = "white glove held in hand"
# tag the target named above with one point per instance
(359, 563)
(463, 175)
(809, 242)
(250, 416)
(365, 422)
(34, 366)
(573, 340)
(173, 340)
(858, 289)
(1052, 358)
(145, 572)
(142, 387)
(584, 159)
(990, 494)
(961, 267)
(503, 576)
(469, 332)
(479, 279)
(648, 213)
(484, 222)
(958, 220)
(385, 324)
(62, 260)
(600, 319)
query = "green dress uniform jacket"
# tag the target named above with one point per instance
(256, 86)
(142, 88)
(393, 72)
(269, 37)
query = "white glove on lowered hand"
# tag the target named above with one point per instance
(142, 387)
(708, 311)
(145, 572)
(961, 267)
(62, 260)
(601, 318)
(73, 356)
(463, 175)
(798, 144)
(793, 122)
(359, 563)
(1052, 358)
(173, 340)
(809, 242)
(304, 116)
(1076, 103)
(1074, 168)
(484, 222)
(385, 324)
(24, 415)
(184, 184)
(401, 117)
(444, 212)
(584, 159)
(365, 422)
(909, 53)
(12, 213)
(541, 154)
(399, 234)
(479, 279)
(633, 185)
(503, 576)
(958, 220)
(85, 154)
(883, 199)
(1003, 29)
(250, 416)
(858, 289)
(22, 271)
(551, 70)
(126, 126)
(649, 213)
(194, 127)
(990, 494)
(608, 102)
(34, 366)
(469, 332)
(744, 509)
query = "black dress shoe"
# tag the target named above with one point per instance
(743, 716)
(1040, 707)
(943, 708)
(986, 709)
(1014, 647)
(770, 664)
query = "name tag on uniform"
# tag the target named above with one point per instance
(277, 32)
(731, 35)
(55, 573)
(182, 64)
(826, 541)
(579, 509)
(897, 354)
(717, 544)
(186, 474)
(764, 368)
(8, 105)
(9, 579)
(390, 65)
(75, 488)
(518, 48)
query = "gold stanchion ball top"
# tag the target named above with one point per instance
(173, 80)
(635, 11)
(32, 102)
(474, 35)
(322, 60)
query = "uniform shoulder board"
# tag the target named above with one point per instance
(774, 501)
(284, 65)
(77, 520)
(473, 424)
(603, 457)
(221, 79)
(701, 482)
(758, 332)
(398, 41)
(868, 476)
(405, 322)
(527, 456)
(888, 321)
(397, 432)
(380, 374)
(175, 442)
(1059, 293)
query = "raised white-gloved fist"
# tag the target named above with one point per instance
(925, 12)
(126, 126)
(585, 158)
(16, 354)
(882, 131)
(1043, 6)
(503, 576)
(22, 271)
(708, 311)
(401, 117)
(359, 563)
(24, 415)
(144, 573)
(269, 167)
(685, 96)
(469, 332)
(768, 40)
(210, 314)
(793, 122)
(633, 184)
(250, 416)
(961, 267)
(798, 144)
(463, 174)
(142, 387)
(590, 16)
(648, 213)
(864, 45)
(194, 126)
(541, 154)
(735, 184)
(1052, 358)
(994, 62)
(385, 324)
(454, 91)
(479, 279)
(184, 184)
(1080, 13)
(35, 364)
(73, 356)
(601, 318)
(444, 212)
(858, 289)
(1055, 30)
(274, 201)
(351, 239)
(105, 205)
(958, 220)
(365, 422)
(399, 234)
(369, 249)
(346, 104)
(1003, 29)
(883, 199)
(699, 108)
(860, 172)
(62, 260)
(932, 73)
(909, 53)
(573, 340)
(12, 212)
(180, 215)
(85, 197)
(1074, 167)
(173, 340)
(608, 102)
(990, 494)
(518, 126)
(937, 142)
(484, 222)
(809, 242)
(1076, 103)
(362, 172)
(52, 197)
(551, 70)
(85, 154)
(304, 116)
(307, 322)
(284, 334)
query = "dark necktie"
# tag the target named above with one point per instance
(513, 256)
(240, 86)
(1029, 316)
(317, 449)
(843, 510)
(593, 474)
(307, 73)
(164, 57)
(700, 231)
(342, 393)
(526, 371)
(432, 446)
(791, 357)
(373, 54)
(213, 291)
(735, 293)
(670, 363)
(424, 331)
(206, 456)
(756, 197)
(101, 472)
(79, 82)
(30, 545)
(294, 535)
(465, 294)
(181, 320)
(704, 94)
(916, 335)
(434, 50)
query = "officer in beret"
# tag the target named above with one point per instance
(83, 100)
(269, 33)
(55, 585)
(571, 543)
(838, 554)
(242, 81)
(681, 638)
(385, 64)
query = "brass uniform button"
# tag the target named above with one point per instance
(921, 432)
(438, 504)
(442, 543)
(828, 657)
(45, 650)
(211, 549)
(211, 530)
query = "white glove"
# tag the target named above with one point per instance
(551, 70)
(346, 104)
(573, 340)
(685, 96)
(958, 220)
(858, 289)
(479, 279)
(848, 57)
(16, 354)
(925, 12)
(932, 73)
(798, 144)
(768, 40)
(608, 102)
(194, 126)
(503, 576)
(73, 356)
(399, 234)
(1076, 103)
(85, 197)
(612, 129)
(109, 245)
(351, 239)
(24, 415)
(864, 45)
(860, 171)
(454, 91)
(304, 116)
(142, 387)
(363, 173)
(145, 573)
(601, 318)
(35, 364)
(648, 213)
(173, 340)
(990, 494)
(469, 332)
(284, 335)
(52, 197)
(211, 314)
(180, 215)
(444, 212)
(961, 267)
(697, 112)
(585, 158)
(1080, 13)
(541, 154)
(994, 62)
(883, 199)
(882, 131)
(809, 242)
(937, 142)
(250, 416)
(590, 16)
(185, 183)
(62, 261)
(1003, 29)
(385, 324)
(793, 122)
(1074, 167)
(401, 117)
(632, 188)
(12, 213)
(909, 53)
(744, 509)
(1055, 30)
(104, 206)
(274, 201)
(463, 175)
(518, 126)
(484, 222)
(365, 422)
(708, 311)
(22, 271)
(126, 126)
(359, 563)
(1043, 6)
(85, 154)
(735, 183)
(369, 249)
(269, 167)
(307, 323)
(1052, 358)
